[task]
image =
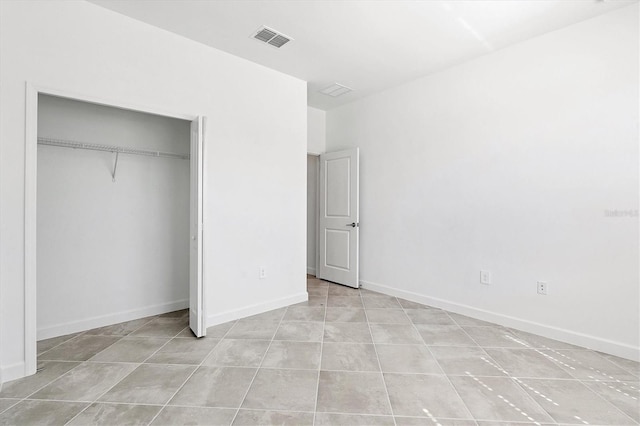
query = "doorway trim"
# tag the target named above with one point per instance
(30, 197)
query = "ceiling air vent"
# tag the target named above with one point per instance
(271, 37)
(335, 90)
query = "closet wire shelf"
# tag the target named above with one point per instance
(109, 148)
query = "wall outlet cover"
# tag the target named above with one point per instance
(485, 277)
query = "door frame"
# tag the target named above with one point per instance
(30, 197)
(317, 212)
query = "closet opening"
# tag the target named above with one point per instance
(113, 217)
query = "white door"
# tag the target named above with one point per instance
(338, 219)
(196, 290)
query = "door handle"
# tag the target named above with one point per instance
(352, 224)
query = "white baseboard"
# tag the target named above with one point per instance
(11, 372)
(311, 271)
(622, 350)
(109, 319)
(258, 308)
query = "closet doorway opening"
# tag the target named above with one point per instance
(113, 216)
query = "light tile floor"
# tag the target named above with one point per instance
(345, 357)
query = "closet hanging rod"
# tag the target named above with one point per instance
(109, 148)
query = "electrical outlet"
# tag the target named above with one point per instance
(263, 272)
(542, 288)
(485, 277)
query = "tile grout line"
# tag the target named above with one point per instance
(384, 382)
(509, 376)
(83, 333)
(440, 366)
(259, 365)
(190, 375)
(120, 336)
(127, 375)
(516, 379)
(324, 324)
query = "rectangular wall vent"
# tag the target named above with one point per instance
(271, 37)
(335, 90)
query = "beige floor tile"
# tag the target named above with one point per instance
(314, 301)
(162, 327)
(407, 304)
(121, 329)
(284, 418)
(347, 332)
(395, 333)
(527, 363)
(194, 416)
(80, 348)
(424, 396)
(41, 413)
(539, 342)
(45, 345)
(498, 399)
(457, 360)
(296, 355)
(332, 419)
(48, 371)
(352, 392)
(318, 291)
(565, 400)
(344, 302)
(215, 387)
(429, 316)
(345, 315)
(130, 349)
(86, 382)
(237, 353)
(381, 302)
(444, 335)
(218, 331)
(341, 290)
(7, 403)
(632, 367)
(387, 316)
(407, 359)
(588, 365)
(304, 313)
(300, 331)
(289, 390)
(625, 396)
(426, 421)
(116, 414)
(465, 321)
(245, 329)
(149, 384)
(494, 337)
(349, 357)
(182, 350)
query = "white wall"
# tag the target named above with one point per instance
(312, 207)
(316, 130)
(508, 163)
(255, 146)
(108, 252)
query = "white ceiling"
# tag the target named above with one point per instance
(366, 45)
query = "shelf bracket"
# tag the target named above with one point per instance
(115, 166)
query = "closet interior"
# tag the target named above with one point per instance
(112, 215)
